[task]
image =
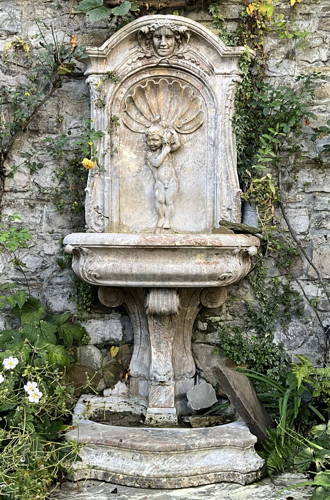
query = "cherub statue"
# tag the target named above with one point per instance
(163, 109)
(161, 143)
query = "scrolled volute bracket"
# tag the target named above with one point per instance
(110, 296)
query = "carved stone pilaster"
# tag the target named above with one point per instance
(161, 308)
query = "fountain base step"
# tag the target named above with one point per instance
(166, 457)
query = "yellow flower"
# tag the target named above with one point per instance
(27, 94)
(88, 163)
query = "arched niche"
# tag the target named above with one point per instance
(188, 89)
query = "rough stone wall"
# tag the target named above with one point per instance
(31, 194)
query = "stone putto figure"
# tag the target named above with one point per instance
(163, 109)
(161, 143)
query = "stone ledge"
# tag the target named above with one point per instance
(166, 482)
(172, 439)
(266, 489)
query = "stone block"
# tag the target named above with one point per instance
(82, 378)
(20, 182)
(10, 18)
(211, 420)
(206, 358)
(321, 259)
(202, 326)
(298, 218)
(116, 410)
(58, 298)
(201, 395)
(128, 334)
(314, 180)
(51, 247)
(302, 336)
(33, 263)
(124, 355)
(90, 356)
(162, 396)
(120, 389)
(321, 221)
(321, 202)
(112, 372)
(243, 398)
(316, 293)
(323, 92)
(108, 329)
(324, 24)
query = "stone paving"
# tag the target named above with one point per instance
(266, 489)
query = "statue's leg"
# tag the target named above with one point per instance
(160, 202)
(170, 195)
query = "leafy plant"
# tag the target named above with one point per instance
(96, 10)
(13, 237)
(276, 302)
(296, 404)
(322, 132)
(48, 334)
(35, 399)
(259, 352)
(47, 67)
(267, 120)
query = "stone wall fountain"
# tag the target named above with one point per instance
(162, 91)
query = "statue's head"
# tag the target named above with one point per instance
(163, 38)
(155, 137)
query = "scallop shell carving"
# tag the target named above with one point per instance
(165, 102)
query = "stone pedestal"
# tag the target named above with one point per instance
(162, 368)
(166, 458)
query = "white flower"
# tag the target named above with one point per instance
(31, 387)
(34, 397)
(2, 378)
(10, 363)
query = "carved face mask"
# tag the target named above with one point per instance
(163, 41)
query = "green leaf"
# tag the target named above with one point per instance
(57, 355)
(47, 332)
(316, 411)
(59, 319)
(66, 335)
(134, 7)
(9, 337)
(16, 299)
(321, 494)
(8, 406)
(322, 479)
(86, 5)
(70, 332)
(52, 428)
(304, 459)
(31, 311)
(122, 9)
(98, 14)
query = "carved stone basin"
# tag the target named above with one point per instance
(160, 260)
